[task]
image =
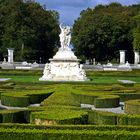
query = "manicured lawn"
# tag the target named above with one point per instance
(95, 77)
(112, 79)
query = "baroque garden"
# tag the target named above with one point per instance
(71, 100)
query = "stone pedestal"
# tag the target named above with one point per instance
(10, 55)
(64, 66)
(122, 56)
(137, 58)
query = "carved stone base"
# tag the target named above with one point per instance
(63, 71)
(63, 67)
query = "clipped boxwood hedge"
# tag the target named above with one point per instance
(12, 116)
(35, 134)
(132, 107)
(24, 98)
(15, 101)
(85, 98)
(125, 119)
(107, 101)
(108, 118)
(99, 101)
(130, 128)
(59, 115)
(128, 96)
(101, 118)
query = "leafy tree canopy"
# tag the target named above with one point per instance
(101, 32)
(29, 28)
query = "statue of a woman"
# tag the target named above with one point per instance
(65, 36)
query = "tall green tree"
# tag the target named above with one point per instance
(136, 34)
(29, 28)
(101, 32)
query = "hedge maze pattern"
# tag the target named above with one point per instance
(60, 104)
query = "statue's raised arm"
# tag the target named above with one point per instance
(60, 26)
(65, 36)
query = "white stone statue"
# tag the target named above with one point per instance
(65, 36)
(4, 60)
(64, 66)
(82, 72)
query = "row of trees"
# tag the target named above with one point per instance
(29, 28)
(98, 33)
(101, 32)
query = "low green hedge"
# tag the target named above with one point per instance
(85, 98)
(101, 118)
(99, 100)
(132, 107)
(125, 119)
(107, 101)
(24, 98)
(71, 127)
(59, 115)
(62, 97)
(15, 101)
(12, 116)
(35, 134)
(108, 118)
(128, 96)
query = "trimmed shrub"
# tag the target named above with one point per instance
(132, 107)
(128, 119)
(35, 134)
(128, 96)
(61, 98)
(101, 118)
(24, 98)
(53, 116)
(15, 101)
(71, 127)
(12, 116)
(85, 98)
(106, 101)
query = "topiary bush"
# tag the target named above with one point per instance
(24, 98)
(125, 119)
(59, 115)
(12, 116)
(101, 118)
(132, 107)
(107, 101)
(128, 96)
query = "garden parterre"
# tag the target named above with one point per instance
(60, 104)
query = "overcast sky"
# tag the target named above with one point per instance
(69, 10)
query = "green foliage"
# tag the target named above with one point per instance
(108, 101)
(128, 119)
(101, 32)
(101, 118)
(108, 118)
(62, 97)
(136, 34)
(132, 107)
(15, 101)
(30, 29)
(12, 116)
(63, 106)
(63, 116)
(128, 96)
(24, 98)
(35, 134)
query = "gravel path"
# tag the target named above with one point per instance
(127, 81)
(4, 79)
(118, 110)
(8, 107)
